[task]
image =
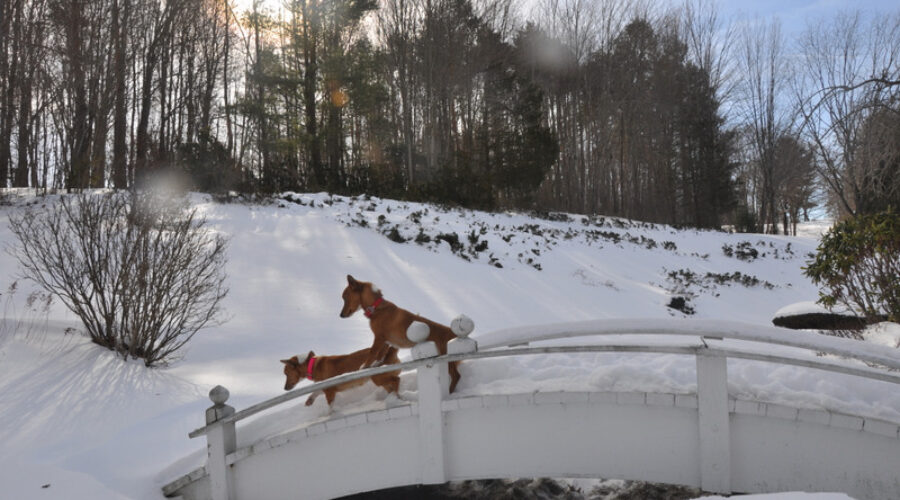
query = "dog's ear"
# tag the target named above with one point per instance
(354, 284)
(311, 355)
(286, 361)
(292, 361)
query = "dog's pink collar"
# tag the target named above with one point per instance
(309, 367)
(369, 311)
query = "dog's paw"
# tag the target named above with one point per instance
(392, 400)
(310, 401)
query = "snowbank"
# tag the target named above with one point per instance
(75, 417)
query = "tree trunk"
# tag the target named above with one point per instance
(21, 177)
(12, 17)
(120, 124)
(80, 133)
(142, 146)
(310, 77)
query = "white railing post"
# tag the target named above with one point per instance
(220, 441)
(462, 327)
(432, 388)
(715, 436)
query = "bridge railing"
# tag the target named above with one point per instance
(712, 349)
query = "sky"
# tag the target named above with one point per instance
(796, 14)
(793, 13)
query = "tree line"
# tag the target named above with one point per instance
(619, 107)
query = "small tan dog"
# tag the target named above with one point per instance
(322, 368)
(389, 324)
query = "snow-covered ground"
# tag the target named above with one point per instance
(77, 423)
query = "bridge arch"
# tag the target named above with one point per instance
(707, 440)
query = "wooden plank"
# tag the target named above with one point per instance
(715, 436)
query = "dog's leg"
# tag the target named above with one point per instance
(454, 374)
(390, 382)
(329, 396)
(382, 354)
(377, 354)
(312, 398)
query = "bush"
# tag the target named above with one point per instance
(745, 220)
(143, 274)
(742, 251)
(857, 264)
(681, 304)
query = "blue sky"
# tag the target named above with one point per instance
(795, 14)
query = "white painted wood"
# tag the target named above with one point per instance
(431, 417)
(325, 466)
(559, 436)
(424, 350)
(219, 439)
(462, 326)
(837, 366)
(431, 425)
(713, 421)
(866, 351)
(564, 435)
(775, 454)
(462, 345)
(417, 332)
(683, 439)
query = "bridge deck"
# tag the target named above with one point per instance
(707, 440)
(654, 432)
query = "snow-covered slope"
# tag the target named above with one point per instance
(74, 417)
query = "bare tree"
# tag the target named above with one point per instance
(847, 71)
(796, 180)
(142, 273)
(710, 42)
(761, 104)
(398, 22)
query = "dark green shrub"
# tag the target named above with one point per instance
(745, 220)
(858, 265)
(452, 239)
(395, 236)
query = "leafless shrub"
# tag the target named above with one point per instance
(29, 320)
(143, 273)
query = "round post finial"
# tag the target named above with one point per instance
(462, 326)
(218, 395)
(418, 332)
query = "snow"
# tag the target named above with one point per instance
(815, 229)
(793, 495)
(884, 333)
(75, 417)
(808, 307)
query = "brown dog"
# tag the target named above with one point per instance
(322, 368)
(389, 324)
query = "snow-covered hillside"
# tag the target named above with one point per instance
(77, 423)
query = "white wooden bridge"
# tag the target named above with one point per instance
(707, 440)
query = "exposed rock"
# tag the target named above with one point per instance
(532, 489)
